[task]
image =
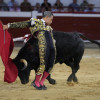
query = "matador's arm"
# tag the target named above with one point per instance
(22, 24)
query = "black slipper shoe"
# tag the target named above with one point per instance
(43, 87)
(38, 88)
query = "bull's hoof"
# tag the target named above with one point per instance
(76, 82)
(75, 79)
(70, 83)
(52, 81)
(70, 78)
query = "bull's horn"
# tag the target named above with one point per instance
(25, 63)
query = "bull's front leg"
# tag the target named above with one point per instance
(51, 81)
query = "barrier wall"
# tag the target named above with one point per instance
(88, 24)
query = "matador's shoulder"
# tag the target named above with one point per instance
(34, 19)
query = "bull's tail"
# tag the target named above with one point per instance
(93, 41)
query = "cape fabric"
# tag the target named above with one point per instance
(6, 48)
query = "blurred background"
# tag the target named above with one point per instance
(70, 15)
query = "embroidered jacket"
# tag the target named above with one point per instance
(33, 24)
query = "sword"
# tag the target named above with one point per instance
(4, 36)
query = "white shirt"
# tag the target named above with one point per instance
(43, 22)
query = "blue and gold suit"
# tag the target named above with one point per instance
(45, 41)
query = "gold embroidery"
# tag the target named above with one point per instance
(42, 48)
(23, 24)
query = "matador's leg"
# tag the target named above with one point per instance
(49, 58)
(42, 50)
(40, 70)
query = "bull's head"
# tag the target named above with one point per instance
(27, 59)
(23, 70)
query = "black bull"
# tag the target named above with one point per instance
(69, 50)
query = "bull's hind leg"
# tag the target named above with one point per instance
(74, 70)
(74, 66)
(70, 63)
(76, 60)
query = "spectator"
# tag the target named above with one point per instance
(43, 9)
(70, 9)
(90, 8)
(3, 6)
(74, 6)
(26, 6)
(83, 5)
(11, 3)
(14, 8)
(54, 9)
(37, 7)
(59, 5)
(46, 5)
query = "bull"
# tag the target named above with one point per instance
(69, 50)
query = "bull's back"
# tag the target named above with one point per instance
(67, 44)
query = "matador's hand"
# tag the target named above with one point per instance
(5, 27)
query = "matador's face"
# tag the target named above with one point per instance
(49, 20)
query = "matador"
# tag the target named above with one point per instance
(42, 29)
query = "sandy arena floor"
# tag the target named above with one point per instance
(88, 87)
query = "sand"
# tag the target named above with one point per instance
(88, 87)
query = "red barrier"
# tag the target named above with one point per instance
(89, 26)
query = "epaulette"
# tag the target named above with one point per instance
(34, 19)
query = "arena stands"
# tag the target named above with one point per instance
(53, 5)
(85, 20)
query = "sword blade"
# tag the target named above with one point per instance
(4, 36)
